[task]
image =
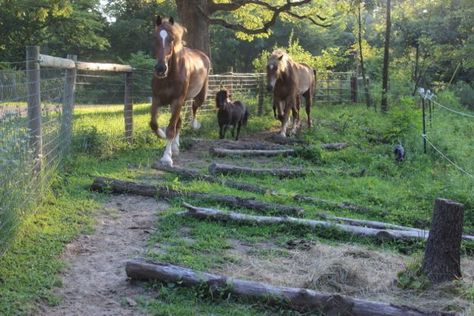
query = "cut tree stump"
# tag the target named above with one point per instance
(222, 152)
(117, 186)
(442, 261)
(196, 175)
(380, 234)
(334, 146)
(301, 299)
(217, 168)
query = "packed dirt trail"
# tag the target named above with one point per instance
(94, 281)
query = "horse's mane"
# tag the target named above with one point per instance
(279, 57)
(177, 30)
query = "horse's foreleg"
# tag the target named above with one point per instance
(296, 115)
(281, 110)
(285, 120)
(171, 132)
(155, 103)
(175, 142)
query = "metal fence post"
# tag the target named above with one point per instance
(424, 123)
(34, 105)
(261, 95)
(68, 104)
(128, 107)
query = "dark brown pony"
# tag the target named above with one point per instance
(289, 80)
(180, 74)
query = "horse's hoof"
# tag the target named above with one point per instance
(167, 161)
(282, 135)
(195, 124)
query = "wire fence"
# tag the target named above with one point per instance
(41, 97)
(21, 184)
(436, 128)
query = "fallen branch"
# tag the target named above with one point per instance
(334, 146)
(300, 299)
(196, 175)
(117, 186)
(366, 223)
(380, 234)
(221, 152)
(217, 168)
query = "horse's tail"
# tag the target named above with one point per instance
(246, 117)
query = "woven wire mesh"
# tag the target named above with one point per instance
(20, 185)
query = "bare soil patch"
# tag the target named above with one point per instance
(95, 282)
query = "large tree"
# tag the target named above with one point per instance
(249, 18)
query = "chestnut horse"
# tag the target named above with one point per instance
(180, 74)
(289, 80)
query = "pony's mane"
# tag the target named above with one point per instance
(177, 30)
(280, 58)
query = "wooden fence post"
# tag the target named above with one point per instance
(442, 261)
(261, 94)
(34, 105)
(354, 89)
(128, 107)
(68, 104)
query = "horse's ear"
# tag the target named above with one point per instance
(158, 20)
(171, 20)
(281, 57)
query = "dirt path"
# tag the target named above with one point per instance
(95, 282)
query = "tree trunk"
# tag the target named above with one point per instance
(442, 255)
(361, 56)
(384, 104)
(192, 16)
(296, 298)
(417, 66)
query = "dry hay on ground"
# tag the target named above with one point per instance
(347, 270)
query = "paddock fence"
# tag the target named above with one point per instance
(42, 96)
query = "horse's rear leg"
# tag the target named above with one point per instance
(198, 101)
(154, 116)
(308, 96)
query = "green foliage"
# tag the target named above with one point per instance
(465, 93)
(412, 277)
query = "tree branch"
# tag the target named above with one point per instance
(236, 4)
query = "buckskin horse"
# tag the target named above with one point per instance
(289, 80)
(180, 74)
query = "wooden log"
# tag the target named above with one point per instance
(56, 62)
(334, 146)
(366, 223)
(278, 139)
(301, 299)
(196, 175)
(217, 168)
(380, 234)
(103, 67)
(442, 261)
(101, 184)
(221, 152)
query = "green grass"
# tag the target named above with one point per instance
(403, 192)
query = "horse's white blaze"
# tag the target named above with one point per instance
(166, 159)
(272, 82)
(163, 35)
